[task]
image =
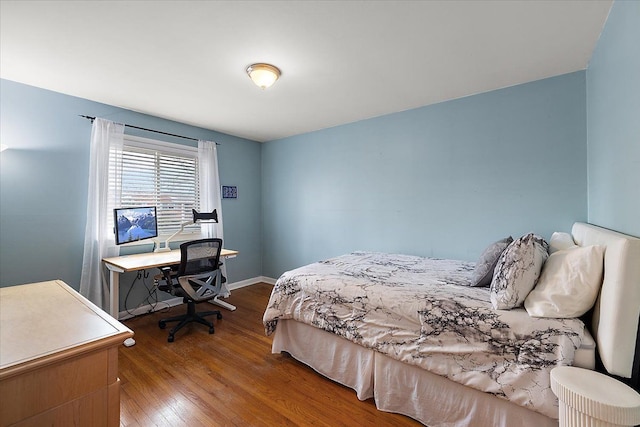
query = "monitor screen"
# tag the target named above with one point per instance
(133, 224)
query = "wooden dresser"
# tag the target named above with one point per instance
(58, 358)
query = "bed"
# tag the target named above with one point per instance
(412, 334)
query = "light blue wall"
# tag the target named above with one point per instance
(43, 184)
(613, 117)
(443, 180)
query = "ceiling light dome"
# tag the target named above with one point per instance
(263, 75)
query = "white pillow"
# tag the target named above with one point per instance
(517, 271)
(561, 241)
(569, 283)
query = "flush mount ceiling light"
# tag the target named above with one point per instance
(263, 75)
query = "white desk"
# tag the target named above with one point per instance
(126, 263)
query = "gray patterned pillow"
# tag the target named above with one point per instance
(483, 273)
(517, 271)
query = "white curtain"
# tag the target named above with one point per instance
(99, 241)
(210, 197)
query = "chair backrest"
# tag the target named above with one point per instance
(199, 256)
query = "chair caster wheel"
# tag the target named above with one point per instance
(170, 339)
(219, 316)
(211, 330)
(162, 324)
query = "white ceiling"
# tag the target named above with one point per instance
(341, 61)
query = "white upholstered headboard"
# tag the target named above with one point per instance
(617, 310)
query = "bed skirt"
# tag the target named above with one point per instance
(397, 387)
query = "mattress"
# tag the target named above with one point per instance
(421, 312)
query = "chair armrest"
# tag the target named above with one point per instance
(168, 275)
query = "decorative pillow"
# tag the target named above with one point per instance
(517, 271)
(561, 241)
(483, 273)
(569, 283)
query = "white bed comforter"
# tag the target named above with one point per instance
(421, 311)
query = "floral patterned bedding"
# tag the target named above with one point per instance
(422, 311)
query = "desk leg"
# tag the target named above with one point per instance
(114, 300)
(114, 293)
(224, 304)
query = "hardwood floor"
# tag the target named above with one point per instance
(230, 378)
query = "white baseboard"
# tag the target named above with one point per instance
(267, 280)
(249, 282)
(160, 305)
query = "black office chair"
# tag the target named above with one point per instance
(198, 279)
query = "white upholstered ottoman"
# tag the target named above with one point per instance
(591, 399)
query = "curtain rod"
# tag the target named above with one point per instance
(148, 130)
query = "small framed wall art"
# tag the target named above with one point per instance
(229, 192)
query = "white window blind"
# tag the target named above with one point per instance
(160, 174)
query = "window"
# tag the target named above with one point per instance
(156, 173)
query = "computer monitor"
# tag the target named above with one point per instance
(134, 224)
